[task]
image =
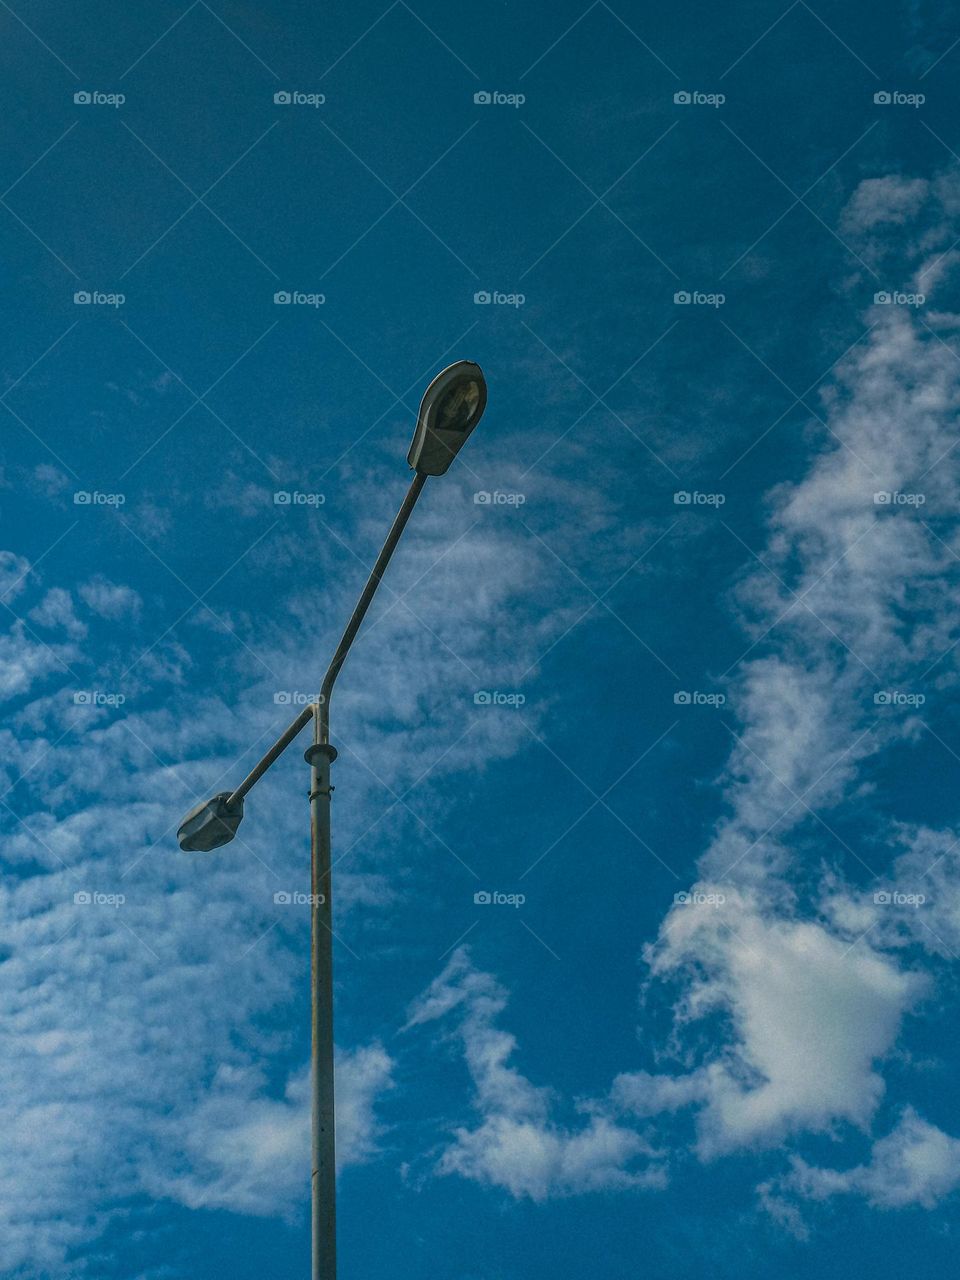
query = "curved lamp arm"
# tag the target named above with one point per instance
(322, 722)
(320, 712)
(451, 407)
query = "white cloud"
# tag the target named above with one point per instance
(361, 1077)
(852, 594)
(25, 661)
(50, 480)
(241, 496)
(890, 200)
(56, 612)
(642, 1093)
(794, 994)
(916, 903)
(109, 599)
(14, 570)
(535, 1159)
(517, 1145)
(250, 1153)
(113, 1014)
(909, 227)
(179, 976)
(915, 1164)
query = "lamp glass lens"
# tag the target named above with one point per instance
(458, 407)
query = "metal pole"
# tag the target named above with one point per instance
(320, 756)
(323, 1137)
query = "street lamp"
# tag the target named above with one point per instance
(452, 406)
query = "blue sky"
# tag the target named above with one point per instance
(681, 691)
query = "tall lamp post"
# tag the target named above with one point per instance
(451, 407)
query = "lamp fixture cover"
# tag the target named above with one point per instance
(452, 406)
(210, 824)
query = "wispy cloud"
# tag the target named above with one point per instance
(517, 1144)
(139, 981)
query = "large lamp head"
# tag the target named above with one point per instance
(210, 824)
(452, 406)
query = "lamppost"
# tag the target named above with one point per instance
(451, 407)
